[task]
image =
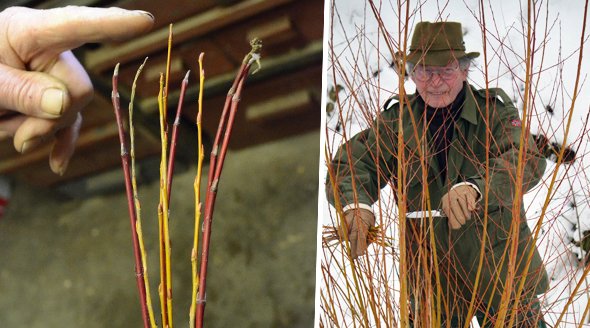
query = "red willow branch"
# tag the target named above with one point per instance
(216, 164)
(174, 138)
(130, 201)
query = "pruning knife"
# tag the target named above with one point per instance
(425, 214)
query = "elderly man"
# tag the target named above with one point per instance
(460, 153)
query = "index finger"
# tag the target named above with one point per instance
(65, 28)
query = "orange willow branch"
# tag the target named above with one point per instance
(139, 273)
(518, 192)
(472, 302)
(216, 165)
(401, 176)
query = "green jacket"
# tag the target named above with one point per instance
(370, 160)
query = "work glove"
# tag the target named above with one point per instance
(458, 205)
(358, 222)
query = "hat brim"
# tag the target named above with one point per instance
(438, 58)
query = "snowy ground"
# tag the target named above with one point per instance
(362, 59)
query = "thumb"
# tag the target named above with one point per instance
(32, 93)
(472, 200)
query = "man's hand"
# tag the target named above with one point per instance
(458, 204)
(358, 222)
(43, 87)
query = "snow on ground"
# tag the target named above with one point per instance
(363, 66)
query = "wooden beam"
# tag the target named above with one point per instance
(281, 106)
(199, 25)
(275, 31)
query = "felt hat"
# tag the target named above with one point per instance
(437, 44)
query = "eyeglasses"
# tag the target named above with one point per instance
(423, 74)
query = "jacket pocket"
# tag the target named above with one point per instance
(500, 223)
(496, 228)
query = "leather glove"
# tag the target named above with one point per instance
(458, 204)
(358, 222)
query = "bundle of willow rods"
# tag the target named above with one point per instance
(217, 158)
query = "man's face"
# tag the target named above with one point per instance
(439, 85)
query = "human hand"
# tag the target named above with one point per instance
(458, 204)
(44, 87)
(358, 222)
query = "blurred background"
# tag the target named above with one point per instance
(65, 241)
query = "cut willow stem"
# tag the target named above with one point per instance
(216, 165)
(172, 155)
(139, 273)
(197, 188)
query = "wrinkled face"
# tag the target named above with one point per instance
(439, 85)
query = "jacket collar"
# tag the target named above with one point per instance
(470, 107)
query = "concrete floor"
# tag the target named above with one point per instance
(68, 263)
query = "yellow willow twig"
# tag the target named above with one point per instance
(164, 184)
(167, 76)
(136, 199)
(165, 289)
(164, 206)
(162, 287)
(197, 188)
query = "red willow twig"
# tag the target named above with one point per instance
(216, 164)
(176, 123)
(130, 202)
